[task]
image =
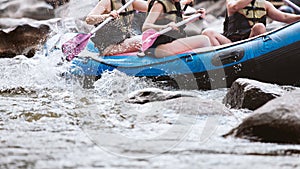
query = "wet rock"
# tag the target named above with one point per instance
(21, 36)
(152, 95)
(16, 90)
(157, 102)
(277, 121)
(75, 9)
(174, 110)
(215, 13)
(251, 94)
(212, 7)
(57, 3)
(34, 9)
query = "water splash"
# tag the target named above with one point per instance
(116, 84)
(23, 72)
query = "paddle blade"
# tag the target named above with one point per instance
(75, 45)
(148, 38)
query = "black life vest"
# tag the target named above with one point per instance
(238, 26)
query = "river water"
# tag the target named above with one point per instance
(47, 121)
(51, 122)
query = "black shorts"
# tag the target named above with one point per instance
(164, 39)
(238, 37)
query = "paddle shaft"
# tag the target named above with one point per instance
(110, 17)
(190, 19)
(150, 35)
(291, 4)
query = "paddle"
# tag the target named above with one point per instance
(150, 35)
(291, 4)
(74, 46)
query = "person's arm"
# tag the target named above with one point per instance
(184, 2)
(99, 13)
(153, 15)
(140, 5)
(201, 10)
(280, 16)
(235, 5)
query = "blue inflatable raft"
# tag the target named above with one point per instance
(273, 57)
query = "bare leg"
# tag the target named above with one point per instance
(132, 44)
(215, 37)
(182, 45)
(257, 29)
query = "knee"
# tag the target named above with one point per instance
(259, 27)
(208, 33)
(205, 42)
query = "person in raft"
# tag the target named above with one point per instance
(247, 18)
(117, 36)
(163, 14)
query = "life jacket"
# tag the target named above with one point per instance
(126, 16)
(238, 26)
(172, 12)
(117, 4)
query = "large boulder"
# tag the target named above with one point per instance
(277, 121)
(21, 36)
(251, 94)
(34, 9)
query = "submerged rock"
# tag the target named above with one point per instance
(278, 121)
(251, 94)
(152, 95)
(156, 104)
(21, 36)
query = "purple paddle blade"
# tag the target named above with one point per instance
(148, 38)
(75, 45)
